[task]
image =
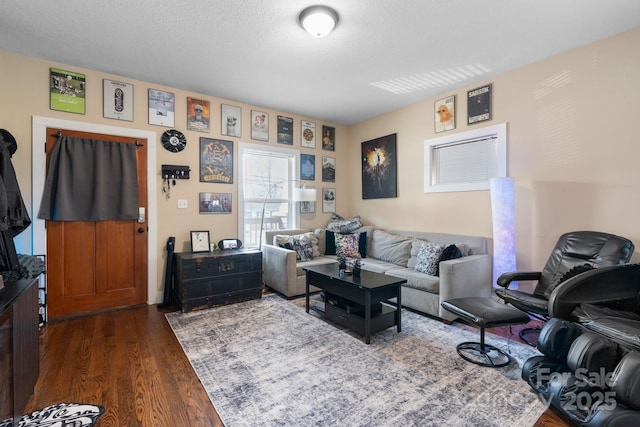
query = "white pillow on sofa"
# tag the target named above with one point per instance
(429, 257)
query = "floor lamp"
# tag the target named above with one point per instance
(298, 195)
(502, 213)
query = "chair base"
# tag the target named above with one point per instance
(526, 331)
(476, 352)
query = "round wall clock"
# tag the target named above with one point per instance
(173, 140)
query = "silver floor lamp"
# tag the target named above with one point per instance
(298, 195)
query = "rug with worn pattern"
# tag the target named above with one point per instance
(267, 362)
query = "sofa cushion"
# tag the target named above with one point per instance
(337, 224)
(429, 257)
(416, 280)
(305, 245)
(390, 248)
(331, 241)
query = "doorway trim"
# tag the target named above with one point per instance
(39, 127)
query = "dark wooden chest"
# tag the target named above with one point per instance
(208, 279)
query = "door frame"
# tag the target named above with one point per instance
(39, 127)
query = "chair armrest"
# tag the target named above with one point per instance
(468, 276)
(505, 279)
(616, 286)
(279, 268)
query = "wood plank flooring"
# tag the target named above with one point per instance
(130, 362)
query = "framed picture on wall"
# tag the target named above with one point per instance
(259, 125)
(67, 91)
(198, 114)
(328, 200)
(379, 171)
(285, 130)
(445, 114)
(215, 203)
(161, 108)
(328, 169)
(328, 138)
(216, 160)
(307, 166)
(117, 100)
(479, 104)
(231, 124)
(308, 136)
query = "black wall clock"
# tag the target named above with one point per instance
(173, 140)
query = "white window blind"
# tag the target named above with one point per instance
(465, 161)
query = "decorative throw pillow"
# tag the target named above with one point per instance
(429, 257)
(305, 245)
(344, 225)
(330, 248)
(450, 252)
(348, 245)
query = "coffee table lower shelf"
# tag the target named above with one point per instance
(356, 323)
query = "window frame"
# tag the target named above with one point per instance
(293, 158)
(498, 132)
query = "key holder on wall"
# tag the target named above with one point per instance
(170, 173)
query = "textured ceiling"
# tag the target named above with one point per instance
(384, 54)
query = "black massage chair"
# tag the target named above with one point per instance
(590, 364)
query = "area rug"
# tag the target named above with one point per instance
(60, 415)
(267, 362)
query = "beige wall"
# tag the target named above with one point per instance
(25, 89)
(573, 148)
(573, 132)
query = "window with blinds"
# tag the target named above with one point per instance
(465, 161)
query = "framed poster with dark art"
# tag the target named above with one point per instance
(285, 130)
(215, 203)
(216, 160)
(379, 168)
(67, 91)
(308, 137)
(231, 124)
(479, 104)
(307, 167)
(328, 200)
(198, 114)
(445, 116)
(328, 169)
(328, 138)
(259, 126)
(161, 108)
(117, 100)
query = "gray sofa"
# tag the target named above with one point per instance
(394, 253)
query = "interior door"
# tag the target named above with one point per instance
(97, 265)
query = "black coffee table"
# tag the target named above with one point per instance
(356, 302)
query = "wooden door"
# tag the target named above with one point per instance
(97, 265)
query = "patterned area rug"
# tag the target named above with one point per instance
(60, 415)
(267, 362)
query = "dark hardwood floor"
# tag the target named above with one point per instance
(130, 362)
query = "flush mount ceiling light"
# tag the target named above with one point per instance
(318, 20)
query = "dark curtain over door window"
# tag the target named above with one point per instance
(90, 180)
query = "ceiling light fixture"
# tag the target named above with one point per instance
(318, 20)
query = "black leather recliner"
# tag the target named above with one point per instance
(574, 253)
